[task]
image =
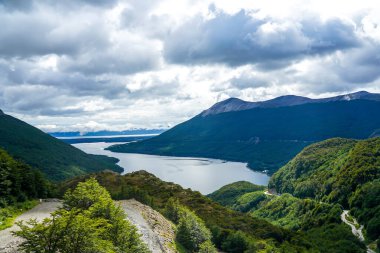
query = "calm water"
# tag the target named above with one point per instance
(201, 174)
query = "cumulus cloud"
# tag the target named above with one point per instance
(119, 64)
(242, 38)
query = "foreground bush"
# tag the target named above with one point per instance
(192, 233)
(88, 222)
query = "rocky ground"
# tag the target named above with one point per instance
(157, 232)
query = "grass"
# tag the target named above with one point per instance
(10, 213)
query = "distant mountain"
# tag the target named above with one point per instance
(56, 159)
(268, 134)
(106, 133)
(235, 104)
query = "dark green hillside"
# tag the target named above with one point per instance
(56, 159)
(224, 223)
(19, 182)
(266, 138)
(337, 171)
(228, 194)
(319, 222)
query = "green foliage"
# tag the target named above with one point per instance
(89, 222)
(191, 230)
(9, 214)
(19, 182)
(56, 159)
(365, 206)
(337, 171)
(228, 194)
(207, 247)
(266, 138)
(249, 201)
(238, 242)
(297, 214)
(220, 220)
(335, 238)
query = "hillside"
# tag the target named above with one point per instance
(337, 171)
(319, 222)
(266, 137)
(56, 159)
(223, 222)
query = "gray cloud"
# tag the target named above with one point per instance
(121, 62)
(241, 39)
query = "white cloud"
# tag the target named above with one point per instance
(93, 65)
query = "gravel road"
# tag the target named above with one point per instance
(358, 232)
(157, 232)
(8, 241)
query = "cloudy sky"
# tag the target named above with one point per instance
(107, 64)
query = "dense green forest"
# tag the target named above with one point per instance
(318, 222)
(19, 186)
(337, 171)
(266, 138)
(56, 159)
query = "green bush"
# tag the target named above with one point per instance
(89, 222)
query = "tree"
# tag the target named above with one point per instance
(89, 221)
(191, 230)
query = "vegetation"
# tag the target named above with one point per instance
(228, 194)
(191, 230)
(89, 221)
(318, 222)
(20, 185)
(266, 138)
(56, 159)
(337, 171)
(221, 221)
(19, 182)
(9, 213)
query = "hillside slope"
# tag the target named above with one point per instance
(337, 171)
(56, 159)
(222, 222)
(266, 138)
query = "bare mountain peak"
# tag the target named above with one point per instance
(236, 104)
(1, 112)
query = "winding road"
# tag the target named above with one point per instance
(358, 232)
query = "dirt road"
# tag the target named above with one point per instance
(8, 242)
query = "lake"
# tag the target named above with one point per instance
(200, 174)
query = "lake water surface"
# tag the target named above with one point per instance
(200, 174)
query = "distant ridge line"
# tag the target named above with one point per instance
(236, 104)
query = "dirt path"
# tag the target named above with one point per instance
(8, 242)
(156, 231)
(358, 232)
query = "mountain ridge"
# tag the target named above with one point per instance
(236, 104)
(265, 138)
(56, 159)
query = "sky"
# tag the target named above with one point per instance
(89, 65)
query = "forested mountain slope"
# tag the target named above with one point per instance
(56, 159)
(337, 171)
(265, 137)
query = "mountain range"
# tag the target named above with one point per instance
(266, 134)
(235, 104)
